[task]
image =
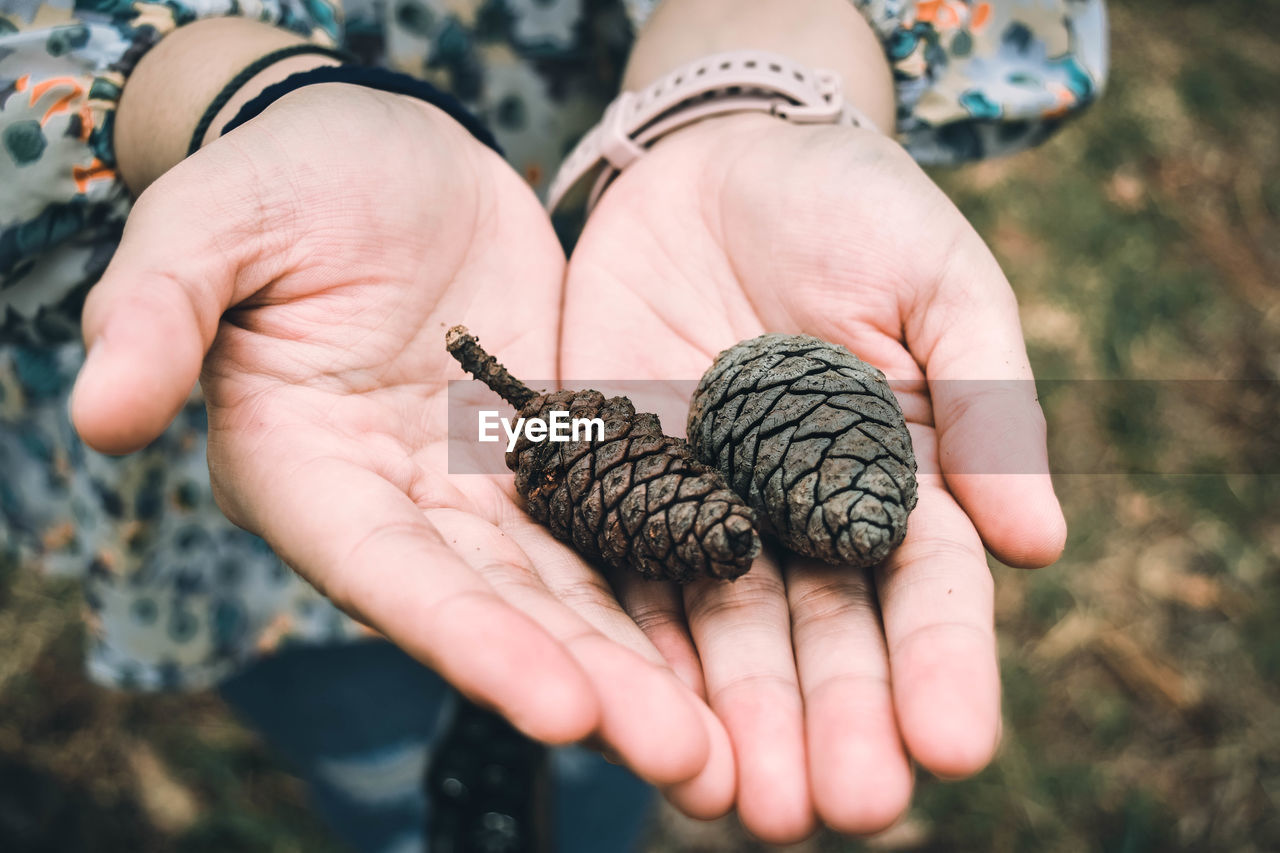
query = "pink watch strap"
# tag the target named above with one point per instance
(721, 84)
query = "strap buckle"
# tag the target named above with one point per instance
(826, 110)
(616, 143)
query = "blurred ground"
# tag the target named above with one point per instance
(1142, 672)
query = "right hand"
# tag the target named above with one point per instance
(833, 683)
(305, 267)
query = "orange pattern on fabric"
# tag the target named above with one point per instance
(952, 14)
(274, 633)
(59, 536)
(1065, 101)
(95, 171)
(943, 14)
(86, 122)
(981, 14)
(82, 175)
(39, 90)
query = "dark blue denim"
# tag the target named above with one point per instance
(356, 722)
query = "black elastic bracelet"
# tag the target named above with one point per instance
(371, 78)
(252, 70)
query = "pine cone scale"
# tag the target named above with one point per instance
(814, 441)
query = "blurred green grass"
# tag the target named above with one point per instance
(1141, 671)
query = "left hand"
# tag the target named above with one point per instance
(305, 266)
(830, 680)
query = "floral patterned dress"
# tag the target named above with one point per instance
(177, 596)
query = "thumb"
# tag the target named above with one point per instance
(991, 430)
(150, 320)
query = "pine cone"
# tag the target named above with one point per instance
(813, 439)
(637, 499)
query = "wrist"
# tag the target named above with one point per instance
(732, 83)
(331, 104)
(716, 138)
(828, 34)
(172, 85)
(377, 79)
(273, 73)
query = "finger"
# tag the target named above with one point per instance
(743, 634)
(658, 610)
(712, 792)
(366, 546)
(991, 430)
(152, 317)
(580, 587)
(648, 719)
(936, 597)
(859, 774)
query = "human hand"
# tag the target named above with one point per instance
(830, 680)
(305, 267)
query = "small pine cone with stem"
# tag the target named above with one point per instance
(634, 499)
(813, 439)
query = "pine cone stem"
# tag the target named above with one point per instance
(463, 346)
(626, 495)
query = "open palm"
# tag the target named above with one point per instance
(305, 268)
(828, 679)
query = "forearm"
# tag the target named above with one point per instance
(822, 33)
(172, 85)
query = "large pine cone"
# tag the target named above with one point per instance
(638, 499)
(814, 440)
